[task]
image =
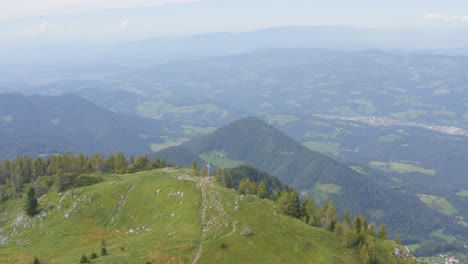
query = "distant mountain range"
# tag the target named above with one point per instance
(254, 142)
(76, 59)
(37, 125)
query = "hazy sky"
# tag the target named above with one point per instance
(122, 20)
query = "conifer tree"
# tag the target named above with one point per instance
(347, 218)
(382, 232)
(262, 190)
(309, 210)
(31, 203)
(157, 163)
(331, 217)
(228, 179)
(397, 240)
(357, 224)
(371, 230)
(364, 254)
(245, 186)
(338, 229)
(194, 167)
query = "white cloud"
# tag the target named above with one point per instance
(124, 24)
(441, 17)
(30, 8)
(36, 30)
(465, 18)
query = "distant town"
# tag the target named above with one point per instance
(386, 121)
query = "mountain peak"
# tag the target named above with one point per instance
(252, 141)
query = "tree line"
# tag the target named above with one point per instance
(64, 171)
(354, 233)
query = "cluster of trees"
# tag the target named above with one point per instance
(355, 233)
(65, 171)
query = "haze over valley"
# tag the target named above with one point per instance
(135, 137)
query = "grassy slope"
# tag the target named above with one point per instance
(438, 203)
(206, 215)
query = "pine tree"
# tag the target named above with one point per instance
(262, 190)
(349, 236)
(295, 204)
(31, 203)
(364, 254)
(382, 232)
(347, 218)
(357, 224)
(228, 179)
(331, 217)
(194, 167)
(397, 240)
(61, 181)
(288, 203)
(338, 229)
(371, 230)
(245, 186)
(36, 261)
(309, 210)
(38, 168)
(157, 163)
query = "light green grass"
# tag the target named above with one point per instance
(322, 146)
(168, 143)
(108, 210)
(276, 238)
(7, 118)
(401, 167)
(158, 109)
(55, 121)
(359, 169)
(413, 247)
(438, 203)
(168, 227)
(449, 239)
(463, 193)
(197, 131)
(281, 119)
(220, 159)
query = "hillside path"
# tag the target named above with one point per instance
(201, 185)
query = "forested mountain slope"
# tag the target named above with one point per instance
(252, 141)
(55, 124)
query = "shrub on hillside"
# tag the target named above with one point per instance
(84, 259)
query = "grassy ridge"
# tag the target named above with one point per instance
(189, 218)
(126, 211)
